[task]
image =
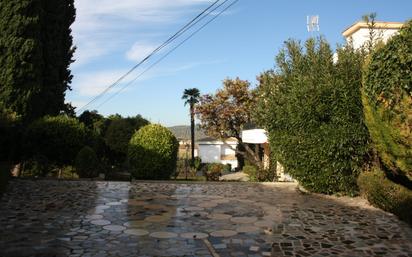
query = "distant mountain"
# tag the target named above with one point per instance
(183, 132)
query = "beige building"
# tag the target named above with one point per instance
(358, 33)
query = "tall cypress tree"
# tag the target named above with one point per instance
(21, 61)
(35, 53)
(56, 19)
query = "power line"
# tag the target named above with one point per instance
(164, 44)
(168, 53)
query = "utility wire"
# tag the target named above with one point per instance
(171, 51)
(168, 41)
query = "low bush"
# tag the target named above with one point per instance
(251, 171)
(87, 163)
(213, 171)
(10, 134)
(59, 139)
(259, 175)
(36, 166)
(197, 164)
(385, 194)
(152, 153)
(227, 168)
(4, 175)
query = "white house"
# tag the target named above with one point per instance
(215, 151)
(358, 33)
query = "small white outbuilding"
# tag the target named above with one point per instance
(215, 151)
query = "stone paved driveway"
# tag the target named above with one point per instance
(63, 218)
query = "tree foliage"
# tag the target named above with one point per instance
(59, 139)
(92, 120)
(312, 110)
(224, 114)
(9, 133)
(35, 54)
(118, 135)
(87, 163)
(385, 194)
(388, 102)
(153, 153)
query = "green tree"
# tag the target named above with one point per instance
(57, 46)
(21, 61)
(86, 163)
(374, 37)
(388, 104)
(191, 97)
(92, 120)
(312, 110)
(118, 135)
(35, 53)
(58, 139)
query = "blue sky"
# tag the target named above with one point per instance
(112, 36)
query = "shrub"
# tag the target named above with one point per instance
(385, 194)
(227, 168)
(214, 171)
(251, 171)
(197, 164)
(118, 135)
(87, 163)
(259, 175)
(59, 139)
(152, 153)
(4, 175)
(117, 139)
(9, 133)
(38, 165)
(388, 103)
(312, 109)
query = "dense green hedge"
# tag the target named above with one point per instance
(152, 153)
(388, 102)
(87, 163)
(385, 194)
(59, 139)
(9, 133)
(117, 139)
(313, 112)
(118, 134)
(4, 176)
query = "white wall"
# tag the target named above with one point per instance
(226, 150)
(254, 136)
(362, 35)
(233, 163)
(209, 153)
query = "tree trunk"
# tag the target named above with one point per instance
(244, 150)
(192, 132)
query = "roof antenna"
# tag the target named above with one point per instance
(312, 23)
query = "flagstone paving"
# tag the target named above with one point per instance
(82, 218)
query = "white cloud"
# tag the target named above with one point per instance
(92, 84)
(140, 50)
(78, 104)
(105, 26)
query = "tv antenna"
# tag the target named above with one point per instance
(312, 23)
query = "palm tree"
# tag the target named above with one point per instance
(191, 95)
